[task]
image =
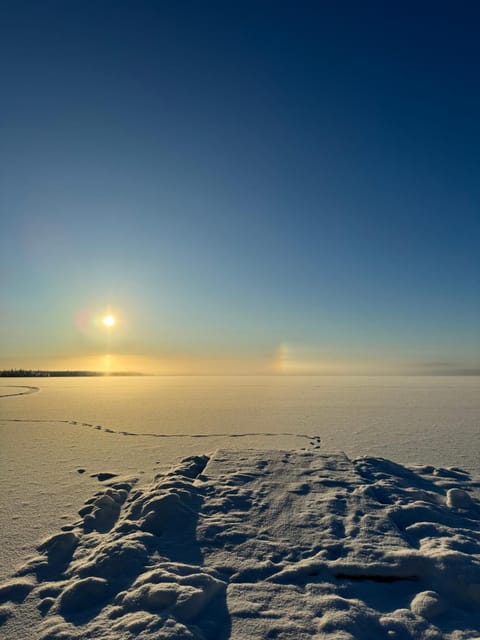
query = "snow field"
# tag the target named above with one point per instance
(260, 544)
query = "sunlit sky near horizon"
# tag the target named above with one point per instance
(251, 187)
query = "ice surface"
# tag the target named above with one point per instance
(251, 546)
(247, 544)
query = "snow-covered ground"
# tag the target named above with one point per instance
(260, 544)
(260, 532)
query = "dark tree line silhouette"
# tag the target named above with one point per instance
(40, 373)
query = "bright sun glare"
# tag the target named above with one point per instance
(109, 321)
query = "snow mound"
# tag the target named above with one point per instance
(262, 544)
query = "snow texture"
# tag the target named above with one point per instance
(261, 544)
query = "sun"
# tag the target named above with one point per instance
(109, 321)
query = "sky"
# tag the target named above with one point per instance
(251, 187)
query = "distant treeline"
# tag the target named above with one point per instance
(36, 373)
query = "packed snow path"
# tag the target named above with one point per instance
(275, 508)
(261, 544)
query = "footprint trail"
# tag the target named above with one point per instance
(314, 440)
(28, 390)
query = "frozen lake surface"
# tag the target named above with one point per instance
(142, 425)
(407, 419)
(64, 440)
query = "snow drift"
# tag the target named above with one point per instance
(261, 544)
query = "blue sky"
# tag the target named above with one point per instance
(239, 180)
